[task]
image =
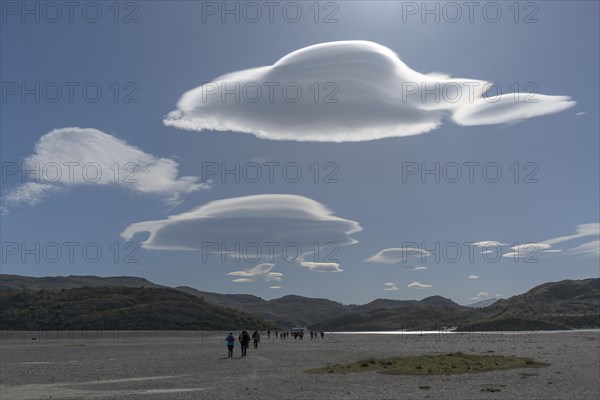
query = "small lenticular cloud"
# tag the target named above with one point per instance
(488, 243)
(397, 254)
(419, 285)
(390, 286)
(479, 296)
(322, 266)
(472, 277)
(259, 273)
(526, 250)
(415, 268)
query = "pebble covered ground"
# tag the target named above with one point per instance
(194, 365)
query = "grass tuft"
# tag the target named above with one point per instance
(440, 364)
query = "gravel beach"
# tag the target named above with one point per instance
(194, 365)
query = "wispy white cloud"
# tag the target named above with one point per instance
(533, 248)
(590, 248)
(509, 108)
(472, 277)
(259, 273)
(528, 249)
(583, 230)
(28, 193)
(419, 285)
(70, 157)
(275, 287)
(375, 95)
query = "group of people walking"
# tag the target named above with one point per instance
(299, 335)
(244, 338)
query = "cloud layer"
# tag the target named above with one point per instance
(347, 91)
(76, 156)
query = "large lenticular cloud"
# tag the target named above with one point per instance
(347, 91)
(232, 223)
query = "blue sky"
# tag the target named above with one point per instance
(171, 50)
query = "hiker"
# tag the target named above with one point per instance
(276, 334)
(268, 334)
(312, 335)
(322, 335)
(230, 339)
(244, 342)
(256, 338)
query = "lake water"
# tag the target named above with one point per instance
(444, 332)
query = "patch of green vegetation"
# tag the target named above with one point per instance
(440, 364)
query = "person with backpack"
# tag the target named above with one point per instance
(256, 339)
(230, 339)
(244, 342)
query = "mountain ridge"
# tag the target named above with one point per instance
(553, 305)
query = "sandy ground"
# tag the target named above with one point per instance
(193, 365)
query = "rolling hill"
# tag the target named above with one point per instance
(117, 308)
(287, 311)
(566, 304)
(483, 303)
